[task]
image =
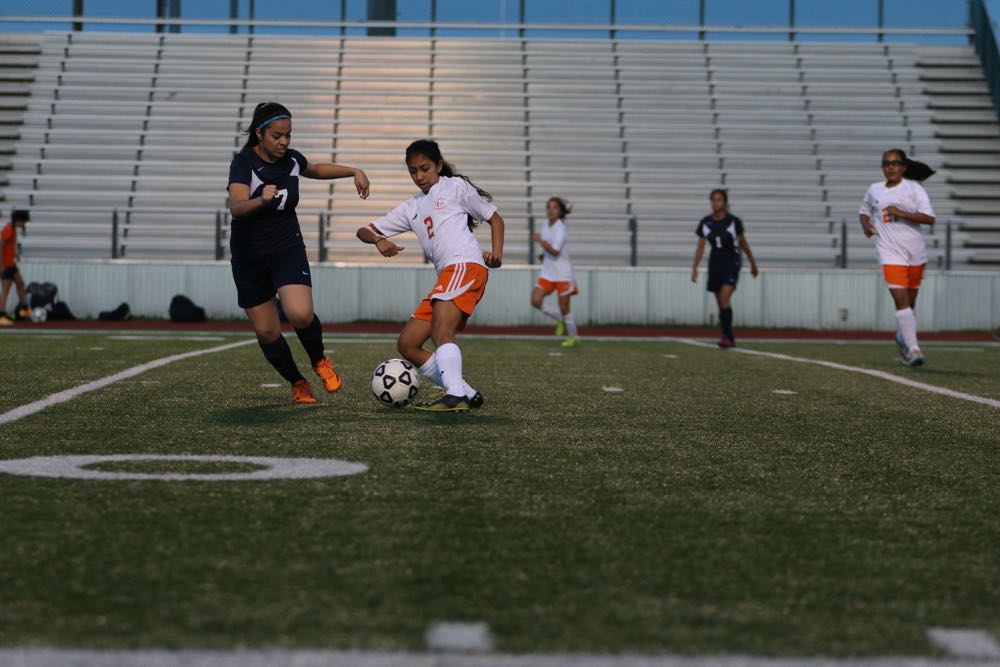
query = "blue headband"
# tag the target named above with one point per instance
(268, 122)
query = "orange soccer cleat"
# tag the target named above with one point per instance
(324, 369)
(302, 393)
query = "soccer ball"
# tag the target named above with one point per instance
(39, 315)
(395, 382)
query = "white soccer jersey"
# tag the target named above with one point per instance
(440, 221)
(557, 268)
(898, 241)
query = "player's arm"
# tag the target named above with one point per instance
(698, 252)
(240, 203)
(369, 234)
(329, 170)
(749, 253)
(866, 224)
(546, 246)
(494, 258)
(912, 216)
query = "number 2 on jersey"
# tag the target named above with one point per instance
(429, 224)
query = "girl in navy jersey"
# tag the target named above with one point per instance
(442, 216)
(723, 231)
(268, 254)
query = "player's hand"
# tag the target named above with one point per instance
(492, 261)
(754, 271)
(869, 230)
(694, 275)
(268, 194)
(362, 184)
(388, 248)
(536, 237)
(894, 211)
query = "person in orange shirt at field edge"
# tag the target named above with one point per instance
(10, 274)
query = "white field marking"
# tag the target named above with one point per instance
(95, 349)
(210, 339)
(459, 637)
(612, 390)
(670, 356)
(965, 643)
(785, 392)
(982, 400)
(74, 467)
(270, 385)
(70, 394)
(54, 657)
(555, 354)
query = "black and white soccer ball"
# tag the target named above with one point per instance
(395, 382)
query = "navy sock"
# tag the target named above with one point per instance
(726, 322)
(311, 338)
(279, 355)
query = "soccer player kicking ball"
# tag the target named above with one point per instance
(893, 211)
(442, 216)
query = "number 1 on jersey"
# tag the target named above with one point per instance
(429, 224)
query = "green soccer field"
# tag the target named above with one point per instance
(694, 511)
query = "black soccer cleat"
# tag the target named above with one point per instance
(476, 401)
(446, 403)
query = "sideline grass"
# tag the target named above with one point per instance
(694, 512)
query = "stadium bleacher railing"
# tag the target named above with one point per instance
(985, 42)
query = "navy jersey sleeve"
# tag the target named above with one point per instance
(700, 229)
(300, 158)
(739, 226)
(239, 170)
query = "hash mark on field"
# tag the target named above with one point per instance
(612, 390)
(69, 394)
(270, 385)
(785, 392)
(459, 637)
(965, 643)
(882, 375)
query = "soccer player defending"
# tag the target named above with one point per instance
(557, 270)
(893, 211)
(442, 216)
(268, 254)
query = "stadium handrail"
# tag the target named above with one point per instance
(516, 27)
(985, 42)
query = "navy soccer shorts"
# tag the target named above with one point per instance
(257, 281)
(724, 274)
(9, 272)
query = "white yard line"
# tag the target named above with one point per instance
(882, 375)
(52, 657)
(70, 394)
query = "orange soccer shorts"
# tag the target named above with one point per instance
(899, 276)
(562, 288)
(462, 284)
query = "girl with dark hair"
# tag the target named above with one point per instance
(268, 254)
(893, 211)
(442, 216)
(557, 270)
(724, 233)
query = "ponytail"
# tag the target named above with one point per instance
(264, 114)
(915, 171)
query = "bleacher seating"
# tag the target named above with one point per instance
(146, 124)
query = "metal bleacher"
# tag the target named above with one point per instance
(134, 133)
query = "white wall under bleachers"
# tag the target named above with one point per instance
(845, 299)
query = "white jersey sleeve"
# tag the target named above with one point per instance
(397, 220)
(473, 202)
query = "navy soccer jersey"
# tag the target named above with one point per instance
(274, 228)
(722, 237)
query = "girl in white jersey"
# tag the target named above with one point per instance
(442, 216)
(892, 212)
(557, 270)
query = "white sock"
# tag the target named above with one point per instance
(551, 310)
(570, 325)
(470, 391)
(431, 371)
(907, 322)
(449, 359)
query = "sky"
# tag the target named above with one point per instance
(898, 13)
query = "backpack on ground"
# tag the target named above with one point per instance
(183, 309)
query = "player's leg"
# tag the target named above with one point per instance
(542, 289)
(21, 309)
(4, 292)
(445, 323)
(568, 317)
(724, 300)
(255, 294)
(897, 279)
